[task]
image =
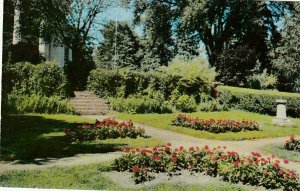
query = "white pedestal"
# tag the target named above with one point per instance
(281, 118)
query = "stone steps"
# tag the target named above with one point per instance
(87, 103)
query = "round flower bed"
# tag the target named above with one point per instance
(229, 165)
(214, 126)
(292, 144)
(105, 129)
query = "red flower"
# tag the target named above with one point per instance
(276, 165)
(135, 169)
(256, 154)
(286, 161)
(169, 144)
(174, 159)
(206, 147)
(280, 172)
(181, 148)
(167, 149)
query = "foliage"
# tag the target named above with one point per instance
(123, 42)
(45, 79)
(234, 64)
(230, 166)
(143, 104)
(191, 69)
(105, 129)
(292, 144)
(18, 78)
(37, 104)
(124, 84)
(286, 55)
(49, 79)
(258, 100)
(262, 81)
(186, 103)
(214, 126)
(267, 129)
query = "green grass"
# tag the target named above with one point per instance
(258, 92)
(163, 121)
(93, 177)
(280, 151)
(31, 136)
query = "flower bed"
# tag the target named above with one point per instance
(292, 144)
(105, 129)
(214, 126)
(230, 166)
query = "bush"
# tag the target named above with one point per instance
(107, 83)
(258, 101)
(49, 79)
(37, 104)
(20, 77)
(214, 126)
(230, 166)
(143, 104)
(101, 130)
(262, 81)
(292, 144)
(186, 103)
(46, 79)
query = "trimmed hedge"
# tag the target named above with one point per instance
(106, 83)
(36, 104)
(143, 104)
(259, 101)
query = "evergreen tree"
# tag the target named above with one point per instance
(287, 55)
(119, 47)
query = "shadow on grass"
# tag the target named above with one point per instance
(35, 139)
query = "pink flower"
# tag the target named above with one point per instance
(286, 161)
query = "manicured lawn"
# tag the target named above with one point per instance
(31, 136)
(163, 121)
(279, 151)
(93, 177)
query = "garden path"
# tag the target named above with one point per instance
(176, 139)
(243, 147)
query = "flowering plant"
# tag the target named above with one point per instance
(292, 144)
(228, 165)
(105, 129)
(214, 126)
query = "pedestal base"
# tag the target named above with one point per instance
(282, 122)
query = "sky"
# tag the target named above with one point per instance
(116, 14)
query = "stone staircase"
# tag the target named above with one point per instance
(87, 103)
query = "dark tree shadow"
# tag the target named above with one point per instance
(22, 139)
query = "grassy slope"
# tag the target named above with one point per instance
(26, 137)
(163, 121)
(91, 177)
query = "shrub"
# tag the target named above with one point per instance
(260, 101)
(46, 79)
(37, 104)
(105, 129)
(49, 79)
(292, 144)
(262, 81)
(125, 84)
(230, 166)
(104, 82)
(143, 104)
(214, 126)
(20, 77)
(186, 103)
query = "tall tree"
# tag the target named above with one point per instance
(119, 47)
(156, 19)
(287, 55)
(71, 22)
